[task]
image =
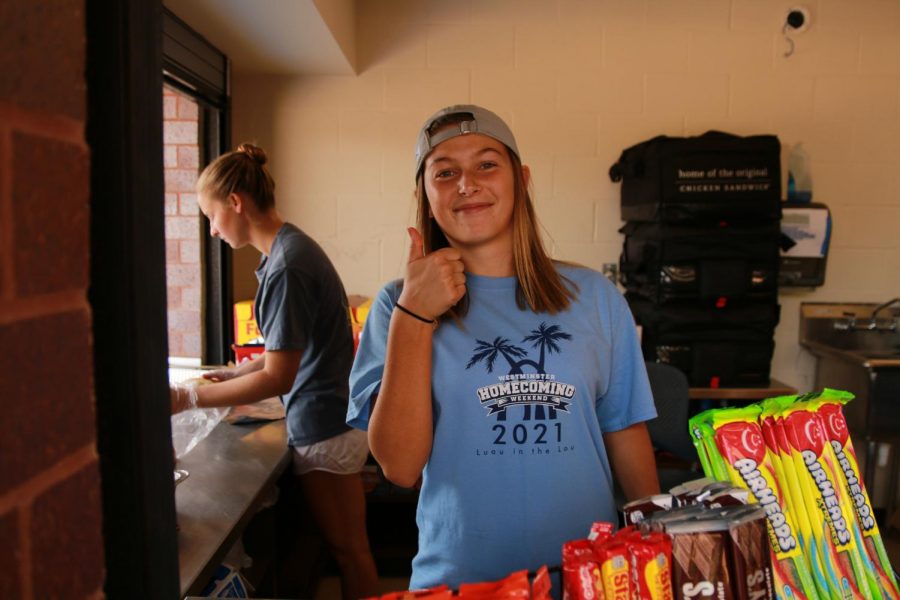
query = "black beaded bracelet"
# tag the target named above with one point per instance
(414, 315)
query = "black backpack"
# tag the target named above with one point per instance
(713, 177)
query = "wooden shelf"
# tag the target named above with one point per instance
(775, 388)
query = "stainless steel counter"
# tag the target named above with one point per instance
(230, 473)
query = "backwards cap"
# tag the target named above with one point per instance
(476, 120)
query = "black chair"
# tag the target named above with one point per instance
(676, 456)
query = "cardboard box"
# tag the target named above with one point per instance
(248, 352)
(245, 327)
(359, 310)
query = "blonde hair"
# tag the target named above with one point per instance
(240, 171)
(539, 286)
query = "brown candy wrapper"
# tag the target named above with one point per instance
(700, 559)
(750, 558)
(637, 510)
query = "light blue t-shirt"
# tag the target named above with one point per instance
(520, 403)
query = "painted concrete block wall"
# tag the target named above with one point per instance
(579, 80)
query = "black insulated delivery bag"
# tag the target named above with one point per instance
(731, 347)
(711, 265)
(711, 177)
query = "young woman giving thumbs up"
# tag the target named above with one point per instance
(512, 384)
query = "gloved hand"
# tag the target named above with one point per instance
(183, 397)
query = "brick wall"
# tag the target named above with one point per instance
(50, 511)
(181, 158)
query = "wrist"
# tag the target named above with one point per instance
(424, 319)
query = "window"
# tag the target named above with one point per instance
(198, 267)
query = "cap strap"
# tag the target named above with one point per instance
(451, 132)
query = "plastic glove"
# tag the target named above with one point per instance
(183, 397)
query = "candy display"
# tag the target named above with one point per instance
(794, 457)
(618, 566)
(781, 512)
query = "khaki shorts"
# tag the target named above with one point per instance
(343, 454)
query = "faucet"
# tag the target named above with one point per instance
(873, 321)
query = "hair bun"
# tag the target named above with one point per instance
(254, 152)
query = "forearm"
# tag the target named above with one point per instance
(269, 377)
(633, 462)
(251, 366)
(400, 427)
(252, 387)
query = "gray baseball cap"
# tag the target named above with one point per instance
(478, 120)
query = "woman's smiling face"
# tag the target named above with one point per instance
(470, 184)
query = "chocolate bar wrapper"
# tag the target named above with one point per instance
(750, 559)
(831, 517)
(740, 442)
(657, 522)
(836, 432)
(700, 559)
(732, 496)
(701, 496)
(637, 510)
(685, 493)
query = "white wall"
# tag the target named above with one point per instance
(579, 80)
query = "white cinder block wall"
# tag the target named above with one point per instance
(579, 80)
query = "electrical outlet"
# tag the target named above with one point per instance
(611, 271)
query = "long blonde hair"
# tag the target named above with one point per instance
(240, 171)
(539, 285)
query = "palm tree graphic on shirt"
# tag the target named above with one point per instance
(545, 337)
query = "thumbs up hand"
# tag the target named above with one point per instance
(434, 282)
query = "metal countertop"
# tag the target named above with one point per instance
(230, 474)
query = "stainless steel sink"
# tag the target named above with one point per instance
(849, 331)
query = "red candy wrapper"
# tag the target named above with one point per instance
(581, 572)
(541, 585)
(651, 567)
(441, 592)
(514, 585)
(615, 570)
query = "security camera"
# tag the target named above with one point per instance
(797, 20)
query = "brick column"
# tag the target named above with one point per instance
(50, 511)
(184, 276)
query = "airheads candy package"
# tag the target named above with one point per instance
(831, 417)
(779, 452)
(832, 522)
(740, 441)
(703, 438)
(817, 557)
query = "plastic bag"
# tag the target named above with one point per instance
(191, 426)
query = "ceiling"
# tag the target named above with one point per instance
(293, 37)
